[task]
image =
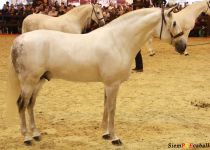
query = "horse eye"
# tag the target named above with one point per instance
(174, 23)
(97, 13)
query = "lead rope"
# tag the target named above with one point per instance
(199, 44)
(163, 21)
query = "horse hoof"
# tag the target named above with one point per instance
(37, 138)
(28, 143)
(152, 54)
(186, 54)
(117, 142)
(106, 137)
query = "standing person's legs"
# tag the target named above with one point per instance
(139, 62)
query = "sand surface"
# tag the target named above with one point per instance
(167, 103)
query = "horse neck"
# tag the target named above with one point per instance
(83, 13)
(134, 29)
(195, 9)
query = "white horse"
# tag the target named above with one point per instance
(187, 18)
(74, 21)
(104, 55)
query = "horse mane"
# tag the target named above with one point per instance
(140, 12)
(77, 9)
(192, 5)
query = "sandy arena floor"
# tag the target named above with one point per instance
(167, 103)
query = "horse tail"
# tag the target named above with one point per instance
(12, 93)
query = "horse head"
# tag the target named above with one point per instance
(172, 31)
(97, 14)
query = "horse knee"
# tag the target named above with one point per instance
(30, 103)
(25, 99)
(20, 103)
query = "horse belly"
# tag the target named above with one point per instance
(81, 75)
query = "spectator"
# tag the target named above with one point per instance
(46, 11)
(28, 10)
(7, 4)
(20, 9)
(62, 9)
(41, 8)
(5, 10)
(69, 7)
(53, 12)
(56, 5)
(12, 11)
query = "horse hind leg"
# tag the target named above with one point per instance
(149, 47)
(35, 132)
(22, 103)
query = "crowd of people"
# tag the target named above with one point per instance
(13, 15)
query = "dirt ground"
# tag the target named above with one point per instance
(167, 103)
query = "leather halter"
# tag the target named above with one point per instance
(98, 19)
(164, 22)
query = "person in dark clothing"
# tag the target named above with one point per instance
(138, 62)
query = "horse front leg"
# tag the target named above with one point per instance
(149, 47)
(111, 93)
(106, 134)
(186, 35)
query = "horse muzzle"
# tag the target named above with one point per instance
(101, 22)
(180, 46)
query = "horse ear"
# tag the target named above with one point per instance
(170, 10)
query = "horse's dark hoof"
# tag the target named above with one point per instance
(186, 54)
(117, 142)
(152, 54)
(37, 138)
(28, 143)
(106, 137)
